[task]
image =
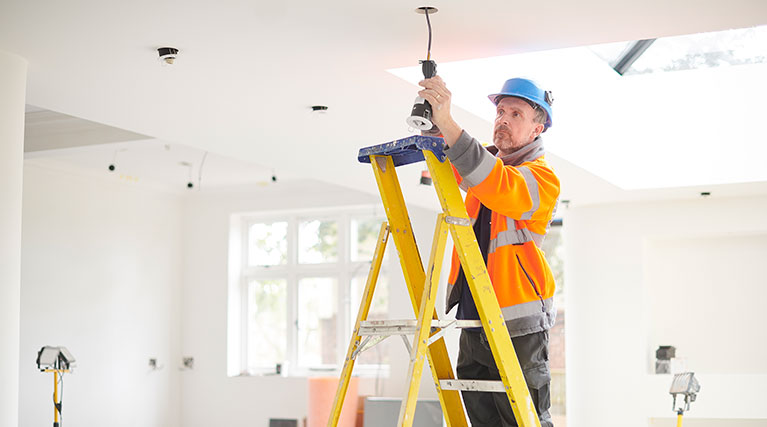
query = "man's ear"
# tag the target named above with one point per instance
(538, 130)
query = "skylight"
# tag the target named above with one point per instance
(698, 126)
(694, 51)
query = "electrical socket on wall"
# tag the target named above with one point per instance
(188, 362)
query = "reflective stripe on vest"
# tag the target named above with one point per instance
(527, 309)
(532, 188)
(510, 237)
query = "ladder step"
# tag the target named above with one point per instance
(472, 385)
(405, 327)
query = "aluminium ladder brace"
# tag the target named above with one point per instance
(422, 285)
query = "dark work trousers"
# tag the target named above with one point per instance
(475, 362)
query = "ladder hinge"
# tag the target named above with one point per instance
(456, 220)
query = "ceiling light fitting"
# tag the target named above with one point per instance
(319, 108)
(420, 114)
(167, 55)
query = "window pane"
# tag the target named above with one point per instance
(317, 320)
(554, 250)
(317, 241)
(268, 244)
(379, 309)
(553, 247)
(267, 322)
(364, 236)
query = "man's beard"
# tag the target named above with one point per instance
(502, 138)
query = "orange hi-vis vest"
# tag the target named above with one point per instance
(522, 192)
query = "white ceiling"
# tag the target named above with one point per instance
(48, 130)
(158, 165)
(249, 71)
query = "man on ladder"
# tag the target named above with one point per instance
(512, 194)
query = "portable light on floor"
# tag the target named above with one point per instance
(687, 386)
(59, 361)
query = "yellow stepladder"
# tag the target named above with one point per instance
(422, 286)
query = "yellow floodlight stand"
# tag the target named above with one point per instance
(59, 361)
(57, 373)
(427, 329)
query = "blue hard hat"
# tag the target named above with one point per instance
(528, 90)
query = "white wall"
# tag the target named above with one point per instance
(722, 296)
(101, 276)
(13, 77)
(685, 273)
(103, 266)
(210, 397)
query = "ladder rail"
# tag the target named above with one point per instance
(421, 338)
(412, 267)
(428, 331)
(362, 314)
(483, 293)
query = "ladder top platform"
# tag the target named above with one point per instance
(406, 150)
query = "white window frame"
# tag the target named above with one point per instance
(344, 270)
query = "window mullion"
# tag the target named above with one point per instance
(244, 310)
(343, 288)
(292, 294)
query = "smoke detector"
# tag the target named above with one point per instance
(167, 55)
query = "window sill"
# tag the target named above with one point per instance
(364, 371)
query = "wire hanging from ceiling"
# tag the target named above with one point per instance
(428, 24)
(199, 171)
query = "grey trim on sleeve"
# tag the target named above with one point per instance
(472, 161)
(532, 188)
(459, 147)
(475, 177)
